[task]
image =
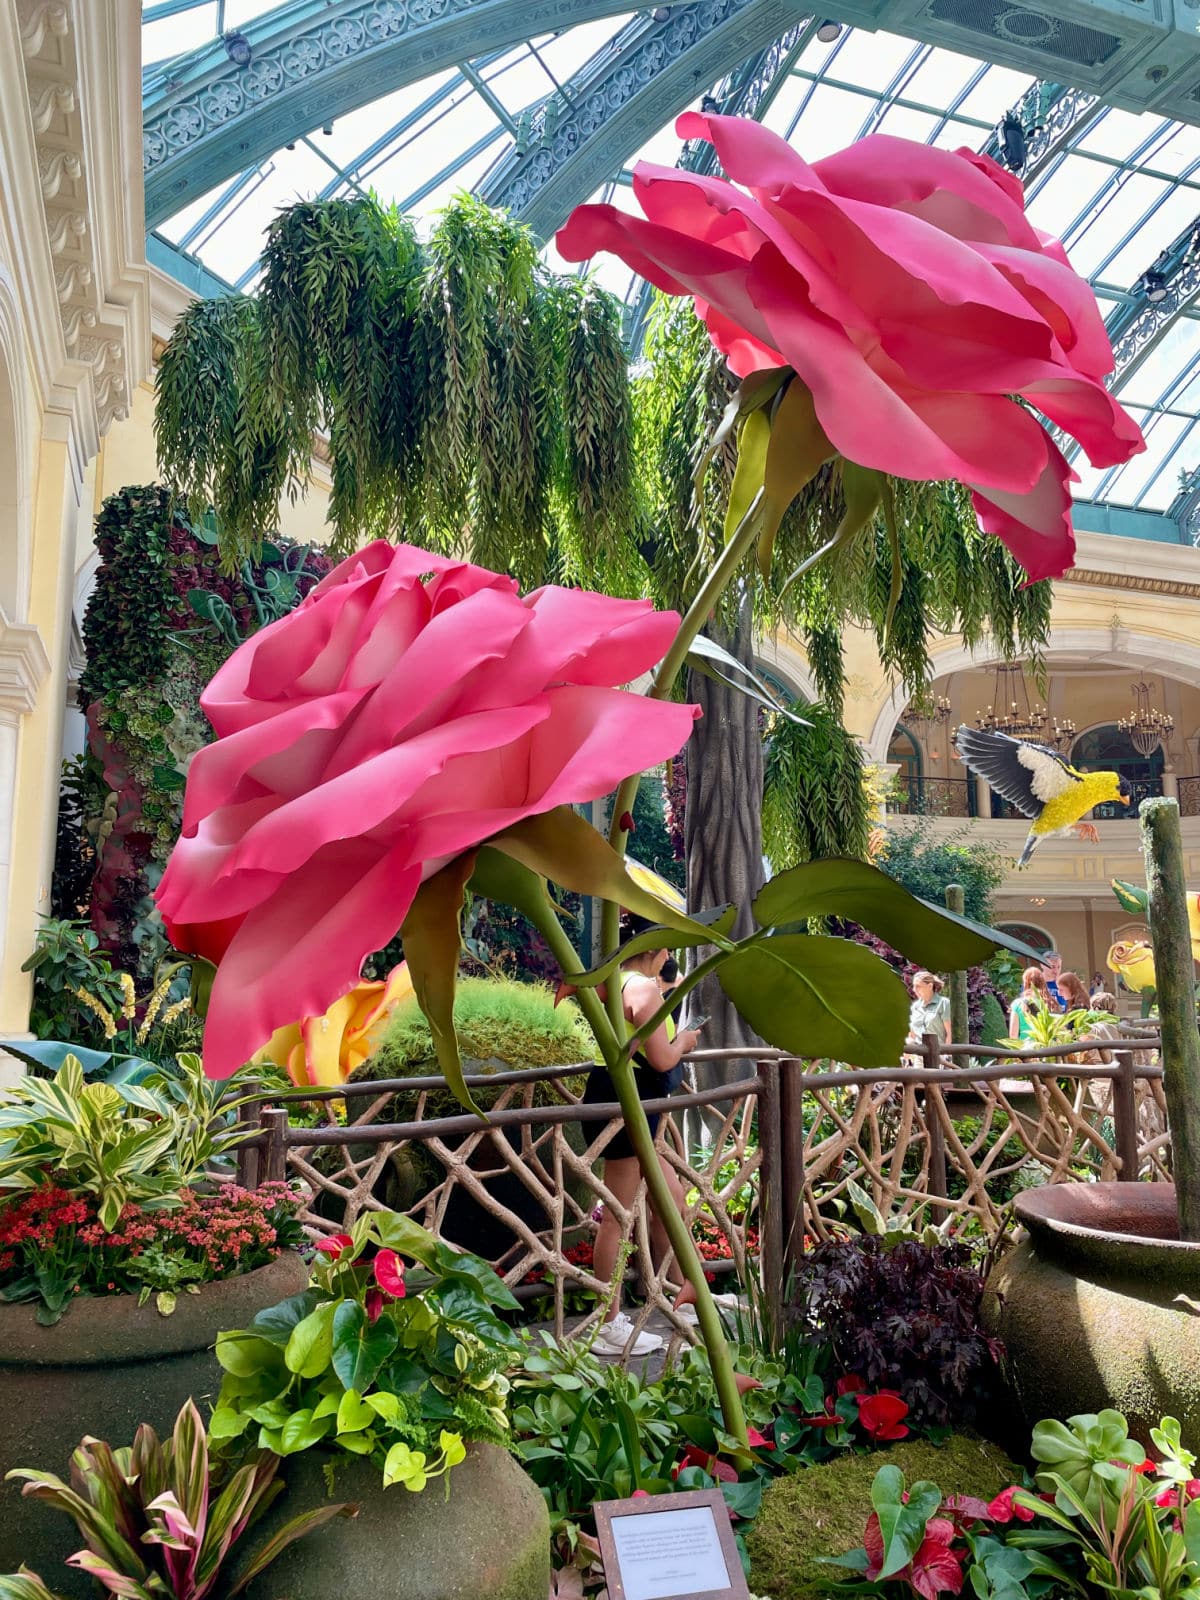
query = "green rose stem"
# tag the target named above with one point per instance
(617, 1060)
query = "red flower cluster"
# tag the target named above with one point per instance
(880, 1415)
(53, 1244)
(1166, 1498)
(935, 1569)
(712, 1243)
(386, 1272)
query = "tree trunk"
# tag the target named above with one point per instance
(723, 832)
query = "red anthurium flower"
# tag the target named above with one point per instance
(908, 290)
(410, 707)
(693, 1456)
(850, 1383)
(373, 1303)
(882, 1415)
(1166, 1497)
(640, 1494)
(1191, 1489)
(1003, 1508)
(745, 1382)
(388, 1271)
(936, 1568)
(756, 1441)
(827, 1418)
(334, 1245)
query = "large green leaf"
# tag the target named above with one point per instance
(857, 892)
(277, 1322)
(311, 1343)
(798, 449)
(564, 847)
(499, 877)
(815, 996)
(360, 1347)
(52, 1053)
(432, 935)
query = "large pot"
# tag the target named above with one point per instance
(109, 1365)
(1100, 1306)
(490, 1539)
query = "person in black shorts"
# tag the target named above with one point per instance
(657, 1072)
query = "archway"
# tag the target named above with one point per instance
(1107, 748)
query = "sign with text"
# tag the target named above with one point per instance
(670, 1547)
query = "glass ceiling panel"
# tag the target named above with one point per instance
(1119, 191)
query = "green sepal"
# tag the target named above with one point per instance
(432, 935)
(718, 922)
(1132, 898)
(564, 847)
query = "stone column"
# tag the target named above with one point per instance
(983, 798)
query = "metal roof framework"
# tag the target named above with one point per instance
(541, 104)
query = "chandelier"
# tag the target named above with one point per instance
(926, 715)
(1011, 710)
(1147, 727)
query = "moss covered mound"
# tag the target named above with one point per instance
(822, 1511)
(501, 1025)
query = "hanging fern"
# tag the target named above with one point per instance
(469, 396)
(815, 793)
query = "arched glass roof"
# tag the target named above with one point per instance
(545, 121)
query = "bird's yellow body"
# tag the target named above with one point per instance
(1040, 782)
(1065, 810)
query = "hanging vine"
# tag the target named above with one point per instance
(466, 393)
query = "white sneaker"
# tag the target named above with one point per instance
(688, 1315)
(614, 1336)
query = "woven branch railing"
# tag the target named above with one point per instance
(957, 1132)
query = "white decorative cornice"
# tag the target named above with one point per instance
(84, 101)
(24, 665)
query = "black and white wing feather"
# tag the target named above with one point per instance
(1026, 775)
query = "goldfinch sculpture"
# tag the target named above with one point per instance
(1040, 783)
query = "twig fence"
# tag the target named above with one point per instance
(957, 1132)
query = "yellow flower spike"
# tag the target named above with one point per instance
(130, 994)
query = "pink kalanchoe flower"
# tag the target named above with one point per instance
(909, 291)
(409, 708)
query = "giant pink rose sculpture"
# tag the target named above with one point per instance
(409, 708)
(911, 294)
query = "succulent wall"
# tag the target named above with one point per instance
(162, 618)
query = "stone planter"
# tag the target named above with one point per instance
(1100, 1306)
(490, 1539)
(106, 1367)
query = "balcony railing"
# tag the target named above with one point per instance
(933, 797)
(1140, 789)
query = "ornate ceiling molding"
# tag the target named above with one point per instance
(212, 118)
(81, 93)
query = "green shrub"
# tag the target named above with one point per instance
(994, 1027)
(822, 1512)
(501, 1024)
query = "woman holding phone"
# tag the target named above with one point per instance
(658, 1071)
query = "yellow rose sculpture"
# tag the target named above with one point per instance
(1133, 959)
(321, 1052)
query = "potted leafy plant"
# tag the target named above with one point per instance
(1114, 1268)
(153, 1522)
(116, 1274)
(385, 1376)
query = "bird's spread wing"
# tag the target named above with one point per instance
(1026, 775)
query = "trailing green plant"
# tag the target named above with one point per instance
(461, 384)
(156, 1526)
(815, 798)
(375, 1359)
(121, 1143)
